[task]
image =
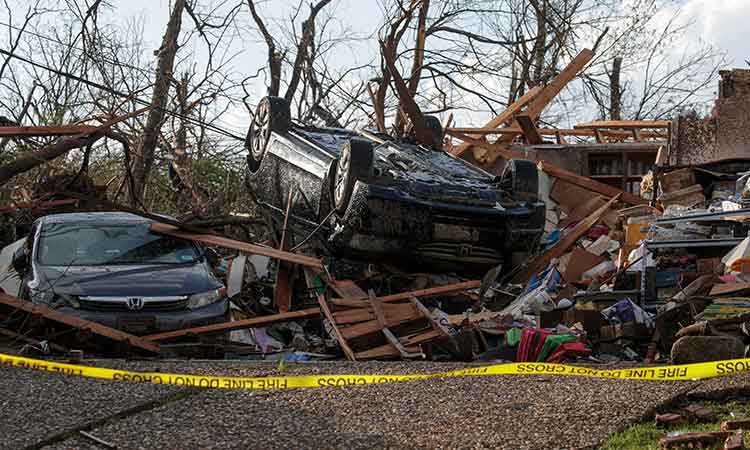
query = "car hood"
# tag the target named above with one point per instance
(147, 280)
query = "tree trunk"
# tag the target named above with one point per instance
(615, 93)
(29, 160)
(305, 41)
(541, 40)
(144, 158)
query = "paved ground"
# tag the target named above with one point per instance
(42, 410)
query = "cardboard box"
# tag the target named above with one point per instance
(677, 180)
(627, 330)
(688, 197)
(591, 320)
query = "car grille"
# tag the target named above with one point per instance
(150, 304)
(452, 251)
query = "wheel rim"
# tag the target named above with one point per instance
(260, 130)
(342, 177)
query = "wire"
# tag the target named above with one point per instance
(124, 95)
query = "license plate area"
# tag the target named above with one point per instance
(137, 324)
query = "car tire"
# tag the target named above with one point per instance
(520, 179)
(355, 163)
(271, 115)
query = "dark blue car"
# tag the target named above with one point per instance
(108, 267)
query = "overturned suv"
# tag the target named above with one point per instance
(393, 199)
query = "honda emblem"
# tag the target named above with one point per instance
(135, 303)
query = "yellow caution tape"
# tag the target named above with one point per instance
(658, 373)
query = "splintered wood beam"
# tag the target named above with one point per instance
(503, 117)
(446, 289)
(591, 185)
(624, 124)
(551, 132)
(377, 307)
(78, 323)
(211, 239)
(558, 83)
(47, 130)
(530, 132)
(542, 261)
(550, 91)
(37, 205)
(436, 325)
(254, 322)
(309, 276)
(282, 292)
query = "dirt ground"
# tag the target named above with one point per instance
(46, 411)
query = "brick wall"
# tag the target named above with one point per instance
(726, 133)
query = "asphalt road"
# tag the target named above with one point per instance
(46, 411)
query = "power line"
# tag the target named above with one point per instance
(122, 94)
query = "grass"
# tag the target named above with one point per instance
(645, 436)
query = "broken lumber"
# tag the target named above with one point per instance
(542, 261)
(377, 307)
(503, 117)
(309, 276)
(78, 323)
(211, 239)
(282, 292)
(694, 440)
(254, 322)
(479, 132)
(624, 124)
(591, 185)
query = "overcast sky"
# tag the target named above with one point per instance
(722, 23)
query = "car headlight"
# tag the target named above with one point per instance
(206, 298)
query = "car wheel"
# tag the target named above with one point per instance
(354, 163)
(520, 180)
(272, 114)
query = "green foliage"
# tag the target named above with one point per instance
(645, 436)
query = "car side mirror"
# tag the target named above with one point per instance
(20, 260)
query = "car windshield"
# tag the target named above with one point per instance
(75, 244)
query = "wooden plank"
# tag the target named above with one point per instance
(479, 132)
(503, 117)
(373, 326)
(624, 124)
(662, 157)
(558, 83)
(530, 133)
(592, 185)
(377, 307)
(210, 239)
(346, 288)
(728, 288)
(383, 351)
(78, 323)
(432, 292)
(435, 324)
(282, 292)
(32, 341)
(364, 314)
(542, 261)
(46, 130)
(309, 276)
(254, 322)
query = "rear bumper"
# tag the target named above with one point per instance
(150, 322)
(383, 221)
